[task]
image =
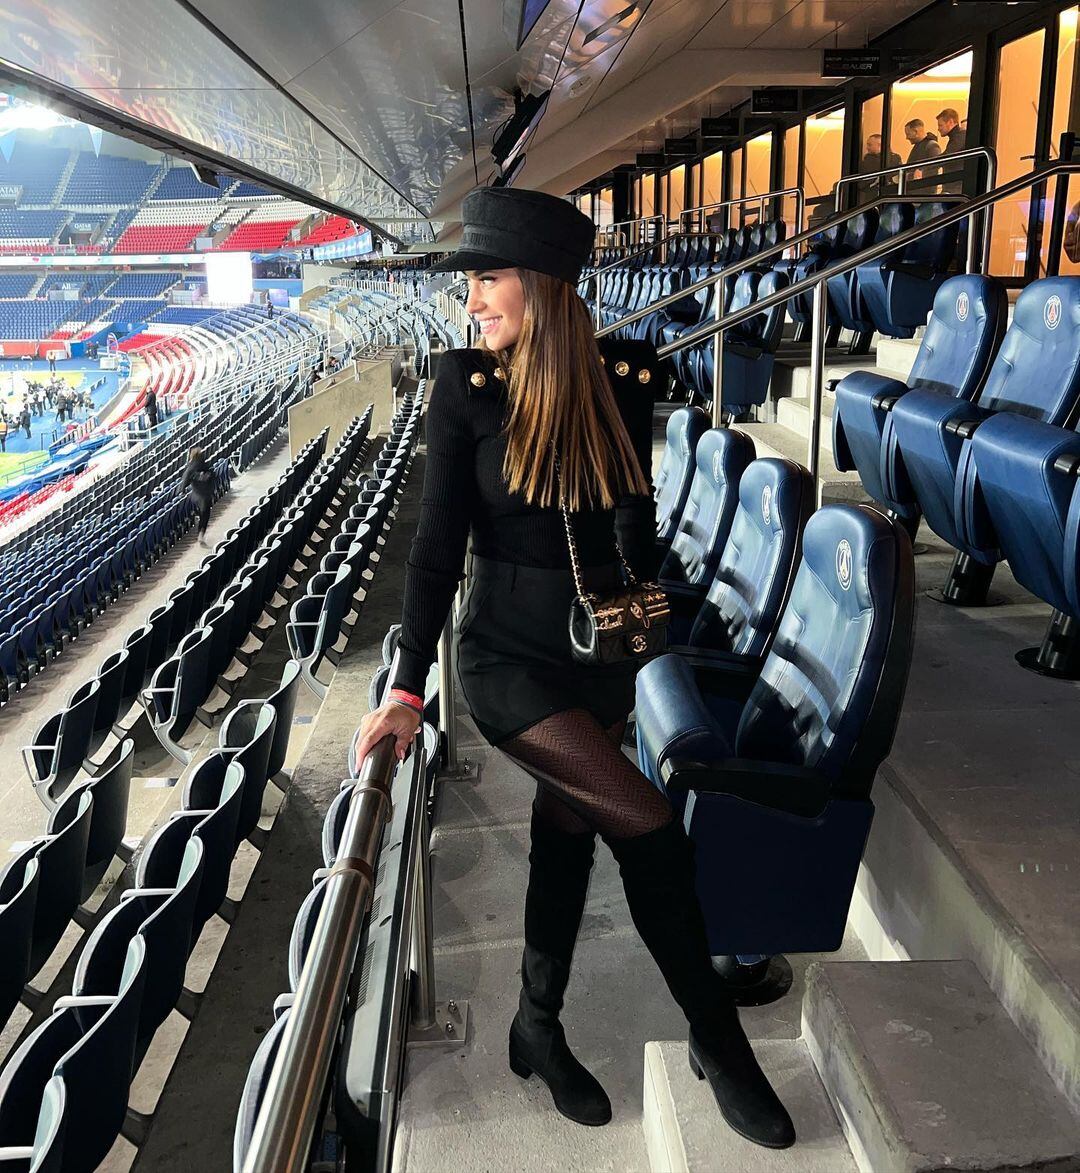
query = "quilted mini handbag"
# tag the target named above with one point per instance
(628, 625)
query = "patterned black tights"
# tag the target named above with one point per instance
(584, 780)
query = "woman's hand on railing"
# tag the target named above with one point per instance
(389, 719)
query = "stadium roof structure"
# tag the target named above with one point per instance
(387, 111)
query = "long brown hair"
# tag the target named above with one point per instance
(559, 395)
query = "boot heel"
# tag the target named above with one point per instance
(518, 1067)
(695, 1066)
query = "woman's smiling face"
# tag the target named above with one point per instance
(497, 302)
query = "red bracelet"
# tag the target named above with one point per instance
(407, 698)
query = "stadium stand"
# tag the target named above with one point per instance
(108, 180)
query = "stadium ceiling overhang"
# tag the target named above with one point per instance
(385, 111)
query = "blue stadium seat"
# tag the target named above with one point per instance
(258, 1080)
(177, 690)
(18, 897)
(720, 459)
(749, 350)
(44, 1152)
(738, 615)
(110, 789)
(61, 745)
(968, 321)
(211, 811)
(62, 860)
(89, 1043)
(1028, 476)
(1036, 374)
(898, 290)
(773, 771)
(163, 918)
(846, 303)
(246, 738)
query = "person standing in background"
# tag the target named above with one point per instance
(924, 146)
(198, 480)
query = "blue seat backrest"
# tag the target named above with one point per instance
(937, 249)
(684, 428)
(859, 231)
(722, 455)
(757, 235)
(820, 679)
(968, 321)
(746, 287)
(1037, 369)
(775, 231)
(769, 324)
(893, 218)
(827, 240)
(751, 581)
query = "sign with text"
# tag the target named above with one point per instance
(775, 100)
(679, 146)
(719, 127)
(850, 62)
(10, 191)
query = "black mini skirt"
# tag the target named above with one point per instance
(513, 650)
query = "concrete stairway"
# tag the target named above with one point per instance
(785, 428)
(957, 1046)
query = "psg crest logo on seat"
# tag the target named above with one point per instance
(962, 306)
(843, 563)
(1052, 312)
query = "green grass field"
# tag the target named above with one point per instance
(14, 464)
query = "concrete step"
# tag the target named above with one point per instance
(927, 1072)
(685, 1133)
(779, 440)
(896, 356)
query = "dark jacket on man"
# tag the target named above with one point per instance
(928, 147)
(198, 479)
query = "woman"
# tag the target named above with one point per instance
(198, 479)
(538, 385)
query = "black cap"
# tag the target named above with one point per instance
(506, 228)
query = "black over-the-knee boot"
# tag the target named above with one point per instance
(658, 875)
(558, 881)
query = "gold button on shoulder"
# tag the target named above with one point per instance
(500, 374)
(603, 361)
(644, 375)
(622, 368)
(477, 379)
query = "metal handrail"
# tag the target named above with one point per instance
(797, 192)
(641, 220)
(292, 1104)
(817, 283)
(750, 262)
(901, 170)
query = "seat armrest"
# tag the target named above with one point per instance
(683, 591)
(795, 790)
(831, 385)
(965, 429)
(706, 660)
(885, 402)
(1069, 464)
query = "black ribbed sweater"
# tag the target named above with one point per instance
(465, 493)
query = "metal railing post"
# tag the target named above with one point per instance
(423, 945)
(818, 330)
(718, 363)
(447, 707)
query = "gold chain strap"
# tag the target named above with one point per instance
(578, 584)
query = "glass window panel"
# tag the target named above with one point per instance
(871, 158)
(676, 197)
(1014, 136)
(915, 104)
(1070, 256)
(647, 206)
(1064, 73)
(605, 208)
(791, 174)
(714, 178)
(758, 172)
(824, 150)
